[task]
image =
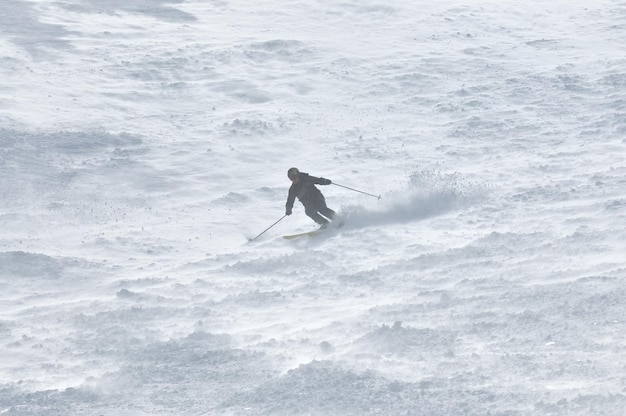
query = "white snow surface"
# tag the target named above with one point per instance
(144, 143)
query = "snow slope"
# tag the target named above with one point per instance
(144, 143)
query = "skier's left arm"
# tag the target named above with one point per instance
(320, 181)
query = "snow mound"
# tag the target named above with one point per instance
(405, 341)
(23, 264)
(325, 388)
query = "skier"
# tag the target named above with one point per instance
(303, 187)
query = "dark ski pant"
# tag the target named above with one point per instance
(318, 211)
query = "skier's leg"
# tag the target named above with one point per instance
(320, 203)
(311, 211)
(328, 213)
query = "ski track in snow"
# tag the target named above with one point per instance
(143, 144)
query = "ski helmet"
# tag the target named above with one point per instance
(292, 173)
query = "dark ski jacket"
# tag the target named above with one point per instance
(305, 190)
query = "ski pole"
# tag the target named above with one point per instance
(356, 190)
(252, 239)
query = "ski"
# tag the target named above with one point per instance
(314, 232)
(308, 233)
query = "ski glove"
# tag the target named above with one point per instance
(326, 181)
(288, 212)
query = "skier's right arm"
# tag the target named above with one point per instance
(290, 200)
